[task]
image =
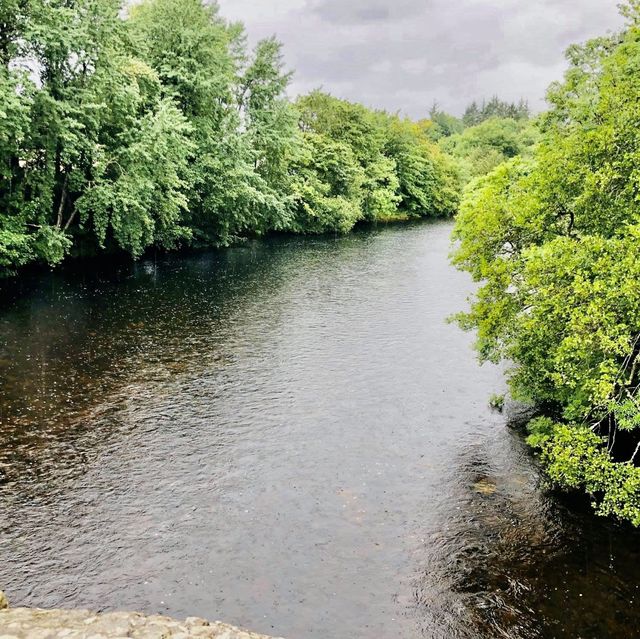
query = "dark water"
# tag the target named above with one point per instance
(289, 437)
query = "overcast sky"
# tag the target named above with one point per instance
(404, 54)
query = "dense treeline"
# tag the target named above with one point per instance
(495, 108)
(555, 239)
(485, 136)
(480, 148)
(157, 127)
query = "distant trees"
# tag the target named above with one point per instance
(429, 180)
(358, 164)
(487, 135)
(481, 148)
(362, 133)
(495, 108)
(123, 128)
(443, 125)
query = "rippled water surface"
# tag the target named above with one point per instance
(290, 437)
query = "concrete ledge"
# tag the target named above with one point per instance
(27, 623)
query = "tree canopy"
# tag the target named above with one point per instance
(481, 148)
(495, 108)
(554, 239)
(153, 125)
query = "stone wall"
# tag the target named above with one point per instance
(27, 623)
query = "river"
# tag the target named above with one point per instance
(287, 436)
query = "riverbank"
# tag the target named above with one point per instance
(33, 623)
(113, 259)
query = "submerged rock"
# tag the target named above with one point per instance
(27, 623)
(485, 486)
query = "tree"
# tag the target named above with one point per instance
(243, 127)
(428, 180)
(443, 124)
(271, 127)
(484, 146)
(16, 243)
(495, 108)
(555, 239)
(362, 130)
(327, 187)
(155, 126)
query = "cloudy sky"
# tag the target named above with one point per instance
(404, 54)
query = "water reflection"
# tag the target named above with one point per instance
(523, 562)
(290, 437)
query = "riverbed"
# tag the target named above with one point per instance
(288, 436)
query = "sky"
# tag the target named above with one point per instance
(404, 55)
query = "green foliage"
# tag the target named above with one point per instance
(151, 124)
(328, 187)
(199, 59)
(495, 108)
(429, 183)
(379, 165)
(443, 125)
(484, 146)
(575, 457)
(626, 413)
(139, 190)
(554, 239)
(362, 132)
(187, 43)
(496, 402)
(16, 248)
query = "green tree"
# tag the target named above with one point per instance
(16, 243)
(482, 147)
(443, 125)
(554, 240)
(243, 127)
(362, 130)
(270, 123)
(495, 108)
(428, 180)
(327, 187)
(151, 124)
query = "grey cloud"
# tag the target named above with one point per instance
(406, 54)
(365, 11)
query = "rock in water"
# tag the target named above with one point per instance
(485, 486)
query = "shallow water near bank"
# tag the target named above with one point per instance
(290, 437)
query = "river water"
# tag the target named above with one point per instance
(287, 436)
